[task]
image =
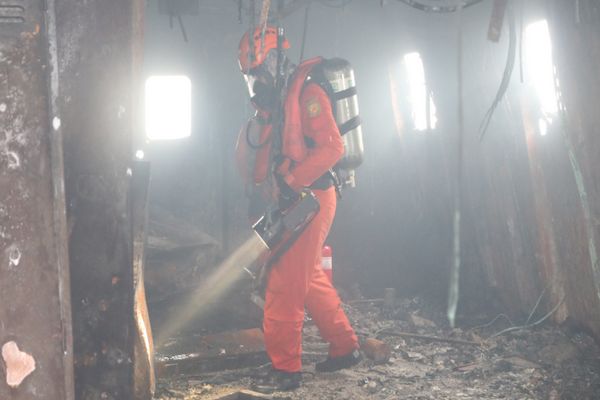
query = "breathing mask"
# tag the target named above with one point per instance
(261, 84)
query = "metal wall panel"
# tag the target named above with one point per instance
(35, 319)
(99, 47)
(533, 200)
(575, 32)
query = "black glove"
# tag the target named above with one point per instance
(287, 195)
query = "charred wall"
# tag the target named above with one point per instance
(99, 57)
(529, 197)
(35, 315)
(68, 111)
(575, 32)
(530, 205)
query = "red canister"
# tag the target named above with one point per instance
(327, 262)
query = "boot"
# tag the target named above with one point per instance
(278, 381)
(336, 363)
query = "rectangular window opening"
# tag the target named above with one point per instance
(540, 68)
(423, 110)
(168, 107)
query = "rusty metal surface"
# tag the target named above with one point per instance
(534, 200)
(35, 318)
(545, 245)
(553, 225)
(503, 215)
(144, 382)
(531, 207)
(98, 44)
(575, 31)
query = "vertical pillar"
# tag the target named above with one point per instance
(36, 358)
(99, 46)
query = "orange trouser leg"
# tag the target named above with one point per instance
(289, 282)
(325, 307)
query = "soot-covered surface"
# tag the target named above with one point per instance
(541, 362)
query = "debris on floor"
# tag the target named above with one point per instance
(248, 395)
(413, 354)
(176, 250)
(228, 350)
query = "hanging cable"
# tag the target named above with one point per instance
(264, 14)
(521, 23)
(280, 8)
(251, 53)
(304, 31)
(453, 289)
(334, 3)
(182, 27)
(508, 69)
(264, 17)
(432, 6)
(258, 144)
(442, 8)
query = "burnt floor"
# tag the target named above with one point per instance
(476, 361)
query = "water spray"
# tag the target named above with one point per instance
(274, 234)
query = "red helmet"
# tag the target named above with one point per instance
(252, 54)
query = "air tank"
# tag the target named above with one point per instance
(340, 75)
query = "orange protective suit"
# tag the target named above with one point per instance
(297, 281)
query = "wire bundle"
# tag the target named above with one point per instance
(439, 6)
(508, 69)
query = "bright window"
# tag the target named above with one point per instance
(540, 69)
(423, 109)
(168, 107)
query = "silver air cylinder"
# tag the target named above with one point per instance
(340, 75)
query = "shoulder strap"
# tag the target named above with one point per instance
(317, 75)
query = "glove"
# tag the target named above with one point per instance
(287, 195)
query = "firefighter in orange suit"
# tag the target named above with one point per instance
(310, 144)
